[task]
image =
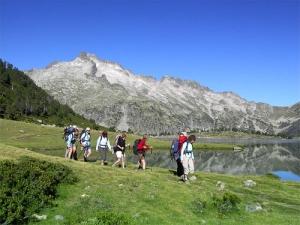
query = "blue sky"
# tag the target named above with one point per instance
(250, 47)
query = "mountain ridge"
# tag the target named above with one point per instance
(157, 106)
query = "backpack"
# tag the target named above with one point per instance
(135, 146)
(81, 133)
(174, 149)
(185, 151)
(82, 136)
(67, 132)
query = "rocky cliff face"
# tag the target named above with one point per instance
(115, 97)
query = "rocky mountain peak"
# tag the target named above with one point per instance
(115, 97)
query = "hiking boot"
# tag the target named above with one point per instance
(184, 178)
(84, 159)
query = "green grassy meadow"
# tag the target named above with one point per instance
(154, 196)
(48, 140)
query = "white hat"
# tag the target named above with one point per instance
(88, 128)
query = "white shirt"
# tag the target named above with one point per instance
(103, 142)
(187, 150)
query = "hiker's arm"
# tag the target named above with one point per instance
(108, 145)
(119, 145)
(181, 150)
(97, 145)
(69, 141)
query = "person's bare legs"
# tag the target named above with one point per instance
(143, 163)
(116, 162)
(123, 161)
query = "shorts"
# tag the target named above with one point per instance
(71, 145)
(119, 154)
(102, 149)
(141, 154)
(86, 148)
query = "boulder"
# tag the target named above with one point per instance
(39, 217)
(220, 185)
(253, 207)
(249, 183)
(59, 217)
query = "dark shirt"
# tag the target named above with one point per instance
(121, 142)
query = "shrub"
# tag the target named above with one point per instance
(27, 186)
(107, 218)
(198, 206)
(227, 203)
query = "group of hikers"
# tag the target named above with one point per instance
(181, 149)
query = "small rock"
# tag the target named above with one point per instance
(40, 121)
(121, 185)
(136, 215)
(193, 178)
(253, 207)
(59, 217)
(84, 196)
(21, 131)
(39, 217)
(237, 149)
(151, 196)
(249, 183)
(220, 185)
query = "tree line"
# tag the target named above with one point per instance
(21, 99)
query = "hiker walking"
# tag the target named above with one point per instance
(70, 138)
(75, 137)
(66, 137)
(176, 152)
(119, 150)
(142, 147)
(187, 158)
(103, 146)
(85, 140)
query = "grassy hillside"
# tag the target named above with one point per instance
(154, 196)
(48, 140)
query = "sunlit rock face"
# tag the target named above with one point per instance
(115, 97)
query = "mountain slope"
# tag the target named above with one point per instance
(115, 97)
(21, 99)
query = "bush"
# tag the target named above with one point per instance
(198, 206)
(227, 203)
(27, 186)
(108, 218)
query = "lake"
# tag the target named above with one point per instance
(279, 158)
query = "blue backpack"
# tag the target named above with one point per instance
(67, 132)
(174, 149)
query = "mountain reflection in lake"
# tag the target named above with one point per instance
(255, 159)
